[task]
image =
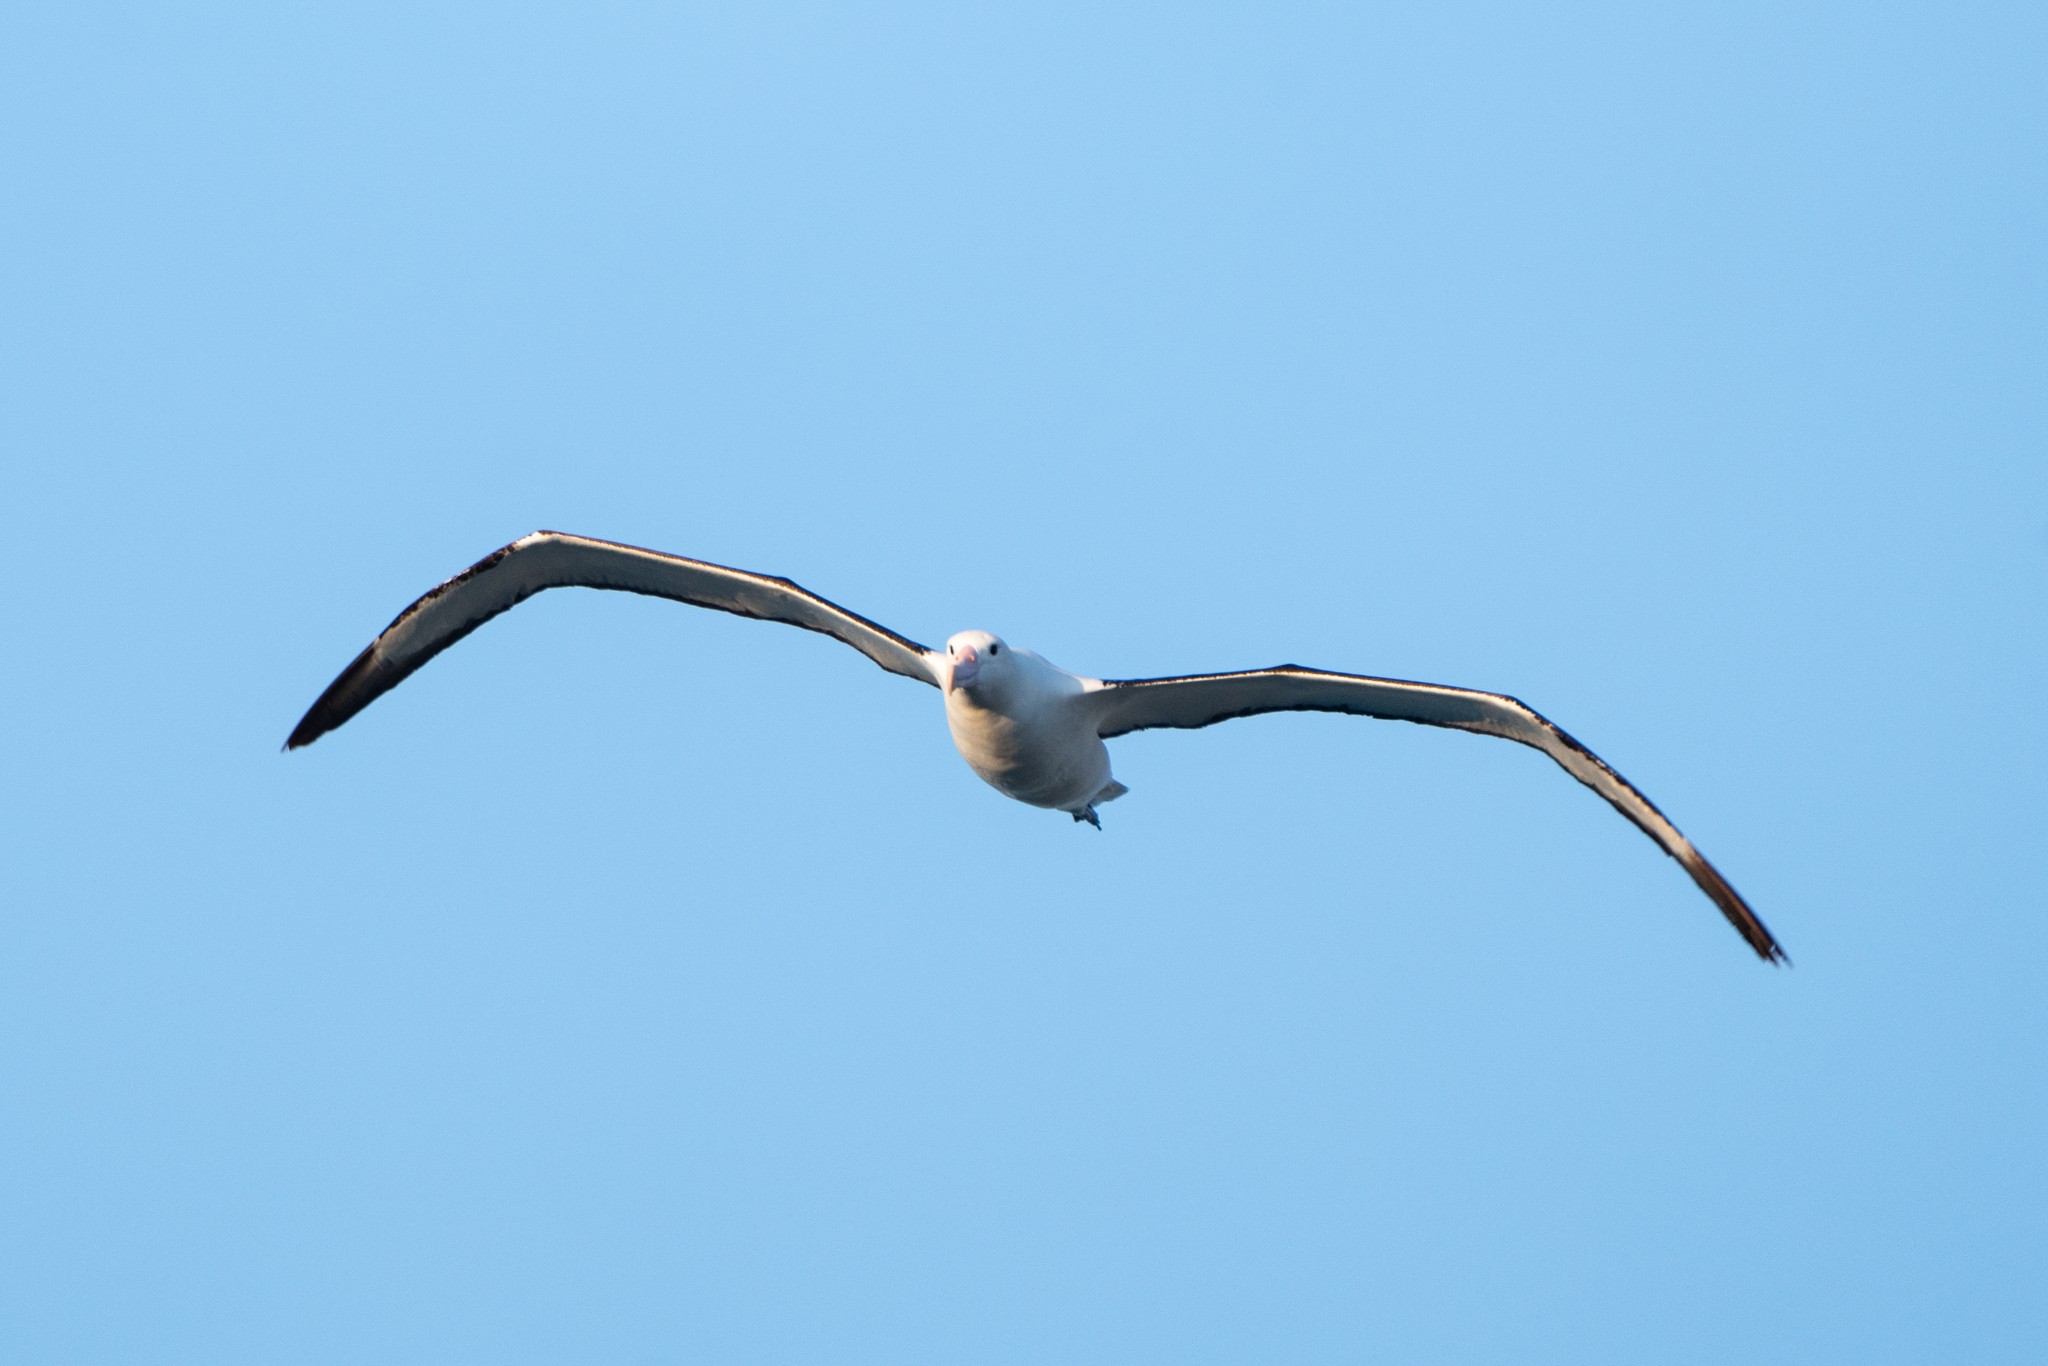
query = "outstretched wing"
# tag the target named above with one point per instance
(1204, 699)
(552, 559)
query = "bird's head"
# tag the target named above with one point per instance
(976, 659)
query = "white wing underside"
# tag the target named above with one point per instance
(1204, 699)
(552, 559)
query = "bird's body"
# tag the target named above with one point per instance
(1025, 732)
(1029, 729)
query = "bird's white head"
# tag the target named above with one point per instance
(975, 659)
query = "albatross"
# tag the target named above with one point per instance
(1028, 728)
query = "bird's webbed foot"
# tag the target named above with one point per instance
(1087, 813)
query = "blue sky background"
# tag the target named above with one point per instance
(644, 985)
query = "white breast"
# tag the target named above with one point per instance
(1028, 737)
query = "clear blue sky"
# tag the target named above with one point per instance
(643, 985)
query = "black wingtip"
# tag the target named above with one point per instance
(311, 727)
(348, 694)
(1747, 922)
(1757, 935)
(1764, 942)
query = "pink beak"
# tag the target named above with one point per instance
(966, 665)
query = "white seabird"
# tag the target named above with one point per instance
(1031, 730)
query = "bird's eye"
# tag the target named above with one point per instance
(995, 650)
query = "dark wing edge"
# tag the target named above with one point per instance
(1194, 701)
(532, 564)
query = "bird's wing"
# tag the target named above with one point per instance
(1121, 707)
(552, 559)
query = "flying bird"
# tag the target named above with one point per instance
(1031, 730)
